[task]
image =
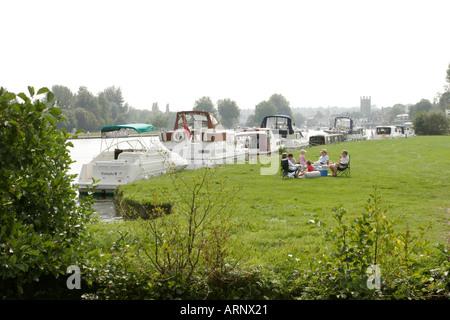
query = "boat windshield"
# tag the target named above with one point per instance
(277, 123)
(126, 144)
(193, 121)
(343, 123)
(384, 130)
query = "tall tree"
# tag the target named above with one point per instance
(86, 120)
(155, 106)
(105, 108)
(281, 104)
(205, 104)
(114, 96)
(263, 109)
(448, 73)
(229, 112)
(396, 110)
(299, 119)
(159, 120)
(63, 95)
(422, 105)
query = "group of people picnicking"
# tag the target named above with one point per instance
(301, 166)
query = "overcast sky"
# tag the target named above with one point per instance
(315, 53)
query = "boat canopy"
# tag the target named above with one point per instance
(281, 122)
(344, 121)
(139, 127)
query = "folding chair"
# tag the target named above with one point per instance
(285, 173)
(345, 171)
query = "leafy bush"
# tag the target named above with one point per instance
(431, 123)
(179, 254)
(371, 242)
(42, 224)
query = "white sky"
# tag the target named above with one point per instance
(315, 53)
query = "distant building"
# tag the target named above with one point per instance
(365, 106)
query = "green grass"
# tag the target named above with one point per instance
(412, 175)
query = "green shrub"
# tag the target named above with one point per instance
(42, 224)
(372, 241)
(433, 122)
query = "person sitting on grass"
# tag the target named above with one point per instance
(292, 160)
(309, 168)
(292, 168)
(342, 164)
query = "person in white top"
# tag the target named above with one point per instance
(343, 162)
(323, 159)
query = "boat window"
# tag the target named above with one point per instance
(214, 120)
(196, 121)
(277, 123)
(384, 130)
(342, 123)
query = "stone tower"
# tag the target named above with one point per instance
(365, 106)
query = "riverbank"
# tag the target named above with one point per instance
(281, 238)
(411, 175)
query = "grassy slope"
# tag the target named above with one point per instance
(411, 174)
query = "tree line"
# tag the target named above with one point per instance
(89, 112)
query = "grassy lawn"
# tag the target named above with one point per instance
(412, 176)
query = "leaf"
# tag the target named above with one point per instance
(55, 112)
(23, 97)
(43, 90)
(20, 289)
(10, 96)
(34, 253)
(50, 119)
(31, 91)
(50, 96)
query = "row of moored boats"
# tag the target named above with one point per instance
(198, 140)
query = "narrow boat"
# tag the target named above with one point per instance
(291, 137)
(127, 158)
(200, 138)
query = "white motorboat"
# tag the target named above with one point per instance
(406, 130)
(387, 132)
(282, 125)
(201, 139)
(127, 158)
(259, 141)
(345, 125)
(319, 138)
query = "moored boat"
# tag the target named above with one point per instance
(200, 138)
(291, 137)
(345, 125)
(127, 158)
(387, 132)
(259, 141)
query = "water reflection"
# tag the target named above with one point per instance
(106, 210)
